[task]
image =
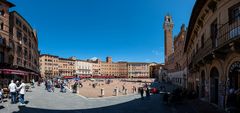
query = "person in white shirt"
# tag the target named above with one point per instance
(1, 95)
(13, 88)
(22, 91)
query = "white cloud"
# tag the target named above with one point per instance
(93, 58)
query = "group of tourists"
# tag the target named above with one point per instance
(49, 85)
(145, 89)
(16, 91)
(52, 83)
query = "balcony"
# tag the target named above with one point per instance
(228, 33)
(228, 36)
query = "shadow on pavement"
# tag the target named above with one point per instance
(26, 102)
(1, 107)
(152, 104)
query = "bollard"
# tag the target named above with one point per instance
(102, 92)
(78, 90)
(117, 91)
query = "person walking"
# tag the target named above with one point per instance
(13, 88)
(46, 84)
(33, 82)
(22, 91)
(17, 91)
(1, 95)
(148, 93)
(141, 92)
(52, 86)
(75, 87)
(62, 89)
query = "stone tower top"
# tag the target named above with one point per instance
(109, 59)
(168, 23)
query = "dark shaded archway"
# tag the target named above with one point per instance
(202, 84)
(234, 75)
(214, 80)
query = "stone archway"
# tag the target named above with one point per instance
(234, 75)
(214, 81)
(202, 84)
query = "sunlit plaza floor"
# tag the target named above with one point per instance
(41, 101)
(89, 92)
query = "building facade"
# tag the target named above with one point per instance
(96, 67)
(84, 68)
(19, 55)
(66, 67)
(116, 69)
(49, 65)
(54, 66)
(155, 70)
(212, 46)
(138, 70)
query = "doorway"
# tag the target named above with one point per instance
(202, 84)
(234, 76)
(214, 80)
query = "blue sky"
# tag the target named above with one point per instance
(127, 30)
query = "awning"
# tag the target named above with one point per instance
(14, 72)
(33, 73)
(69, 77)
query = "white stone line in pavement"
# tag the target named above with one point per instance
(82, 96)
(108, 96)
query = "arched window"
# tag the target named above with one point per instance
(2, 12)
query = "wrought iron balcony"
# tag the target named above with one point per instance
(226, 34)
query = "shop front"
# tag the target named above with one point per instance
(6, 75)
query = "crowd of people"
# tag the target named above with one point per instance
(16, 91)
(52, 83)
(145, 89)
(110, 87)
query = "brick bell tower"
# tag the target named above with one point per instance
(168, 27)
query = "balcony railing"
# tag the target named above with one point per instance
(226, 33)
